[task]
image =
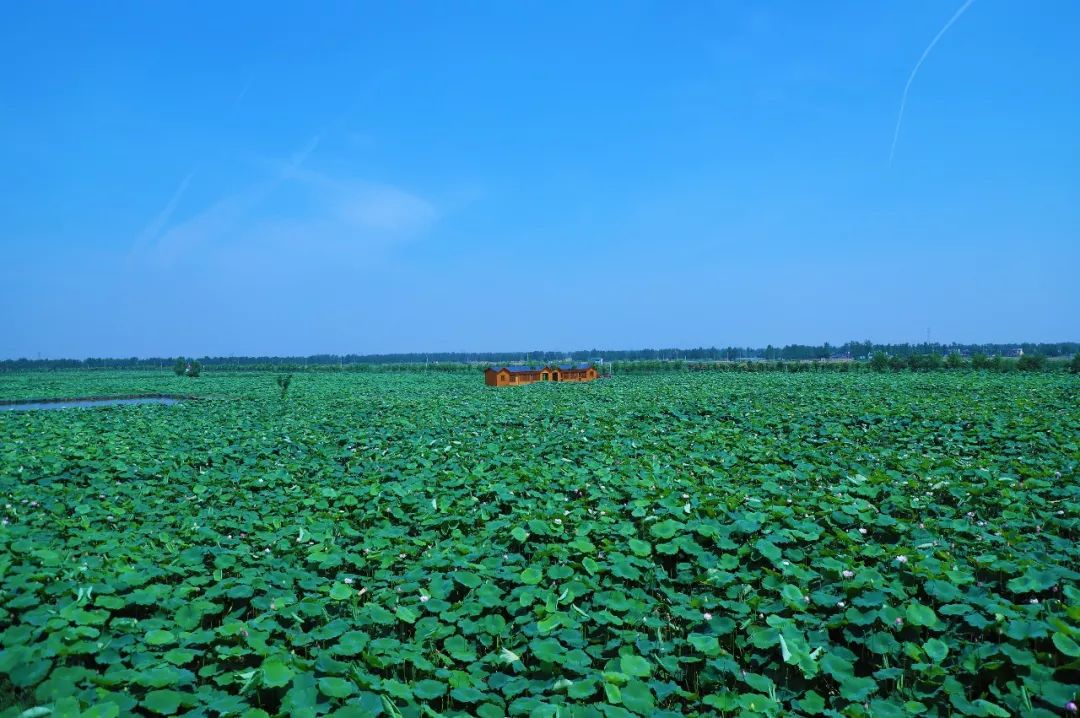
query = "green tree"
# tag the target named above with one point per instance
(879, 362)
(1031, 362)
(979, 361)
(180, 366)
(954, 361)
(1074, 365)
(283, 382)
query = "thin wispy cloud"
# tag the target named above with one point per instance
(161, 219)
(166, 243)
(326, 215)
(301, 156)
(157, 225)
(210, 226)
(915, 71)
(368, 205)
(386, 209)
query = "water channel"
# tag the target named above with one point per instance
(86, 403)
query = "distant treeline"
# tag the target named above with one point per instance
(457, 361)
(879, 362)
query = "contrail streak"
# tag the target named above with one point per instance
(160, 222)
(153, 229)
(915, 71)
(243, 93)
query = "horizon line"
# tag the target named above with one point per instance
(526, 353)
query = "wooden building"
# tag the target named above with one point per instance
(517, 375)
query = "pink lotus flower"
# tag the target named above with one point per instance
(848, 573)
(707, 616)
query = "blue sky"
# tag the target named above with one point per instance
(265, 178)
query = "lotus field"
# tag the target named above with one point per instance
(423, 545)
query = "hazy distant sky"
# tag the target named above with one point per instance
(270, 178)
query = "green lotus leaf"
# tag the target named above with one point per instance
(276, 673)
(637, 697)
(165, 702)
(531, 576)
(936, 649)
(547, 650)
(1066, 645)
(336, 687)
(857, 689)
(579, 690)
(341, 591)
(428, 689)
(768, 549)
(920, 615)
(666, 529)
(467, 694)
(406, 614)
(635, 666)
(709, 645)
(160, 638)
